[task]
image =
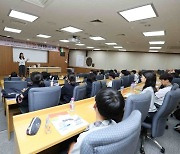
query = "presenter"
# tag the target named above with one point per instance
(22, 61)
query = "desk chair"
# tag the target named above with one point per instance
(131, 79)
(100, 77)
(79, 92)
(116, 84)
(121, 138)
(41, 98)
(139, 102)
(14, 86)
(125, 81)
(157, 127)
(176, 80)
(96, 86)
(12, 79)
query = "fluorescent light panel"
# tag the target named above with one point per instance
(12, 30)
(90, 47)
(155, 47)
(111, 43)
(122, 49)
(80, 44)
(64, 41)
(71, 29)
(118, 47)
(43, 36)
(97, 49)
(156, 42)
(153, 51)
(96, 38)
(154, 33)
(139, 13)
(22, 16)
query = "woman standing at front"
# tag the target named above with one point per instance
(22, 62)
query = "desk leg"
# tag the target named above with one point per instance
(7, 119)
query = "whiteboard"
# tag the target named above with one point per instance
(80, 60)
(37, 56)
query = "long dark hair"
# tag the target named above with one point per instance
(37, 78)
(20, 56)
(72, 79)
(150, 80)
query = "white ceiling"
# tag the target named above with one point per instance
(58, 14)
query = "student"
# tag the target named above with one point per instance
(149, 80)
(36, 79)
(109, 104)
(22, 62)
(68, 88)
(90, 79)
(136, 76)
(111, 77)
(166, 80)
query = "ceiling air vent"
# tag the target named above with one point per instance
(40, 3)
(96, 21)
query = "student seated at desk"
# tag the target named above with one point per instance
(109, 105)
(111, 77)
(36, 79)
(166, 80)
(90, 79)
(68, 88)
(149, 80)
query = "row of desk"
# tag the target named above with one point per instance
(41, 141)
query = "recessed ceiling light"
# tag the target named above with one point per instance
(45, 42)
(96, 38)
(71, 29)
(12, 30)
(22, 16)
(122, 49)
(153, 51)
(96, 49)
(111, 43)
(156, 42)
(64, 41)
(43, 36)
(80, 44)
(154, 33)
(118, 47)
(155, 47)
(139, 13)
(28, 39)
(90, 47)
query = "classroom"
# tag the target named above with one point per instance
(92, 46)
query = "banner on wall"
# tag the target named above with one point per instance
(29, 45)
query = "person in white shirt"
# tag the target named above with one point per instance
(111, 77)
(109, 105)
(22, 61)
(149, 80)
(166, 80)
(136, 76)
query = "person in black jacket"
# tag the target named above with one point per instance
(91, 78)
(36, 79)
(67, 89)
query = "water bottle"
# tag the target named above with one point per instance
(72, 105)
(52, 82)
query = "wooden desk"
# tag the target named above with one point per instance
(45, 69)
(41, 141)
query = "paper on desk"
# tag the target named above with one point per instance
(68, 123)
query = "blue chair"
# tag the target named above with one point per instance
(79, 92)
(14, 86)
(103, 83)
(116, 84)
(139, 102)
(176, 80)
(96, 86)
(100, 77)
(42, 97)
(12, 79)
(125, 81)
(157, 127)
(119, 138)
(131, 79)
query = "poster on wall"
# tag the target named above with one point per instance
(80, 60)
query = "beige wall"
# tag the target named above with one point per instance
(127, 60)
